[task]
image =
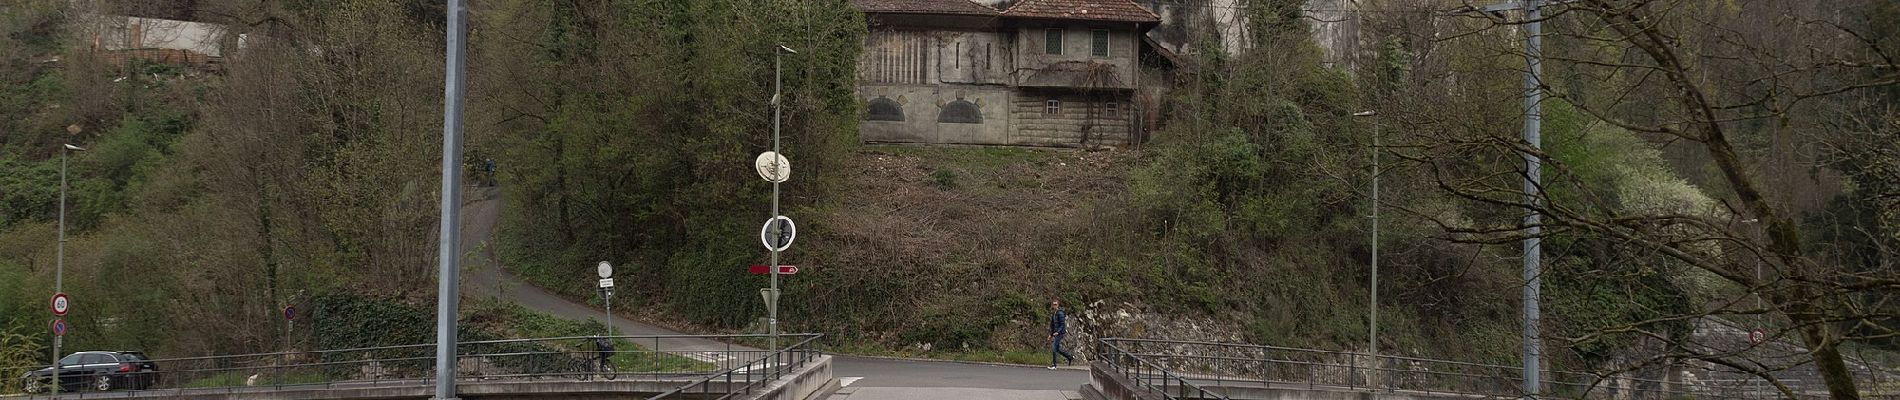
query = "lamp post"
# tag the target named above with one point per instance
(59, 263)
(1372, 330)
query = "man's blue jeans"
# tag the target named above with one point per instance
(1056, 349)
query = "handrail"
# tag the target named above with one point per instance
(572, 357)
(1114, 354)
(1276, 365)
(774, 370)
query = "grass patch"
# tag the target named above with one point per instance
(974, 157)
(509, 320)
(1038, 357)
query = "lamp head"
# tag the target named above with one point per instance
(1367, 113)
(70, 146)
(787, 49)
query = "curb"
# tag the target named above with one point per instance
(1083, 367)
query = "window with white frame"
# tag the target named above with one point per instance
(1114, 108)
(1052, 107)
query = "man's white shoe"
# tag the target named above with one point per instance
(1052, 367)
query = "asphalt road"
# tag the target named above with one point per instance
(481, 212)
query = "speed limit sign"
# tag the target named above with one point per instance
(60, 303)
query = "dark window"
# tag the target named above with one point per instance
(91, 359)
(1052, 40)
(1113, 108)
(960, 112)
(1052, 107)
(72, 359)
(1100, 43)
(884, 109)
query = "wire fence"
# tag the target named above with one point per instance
(577, 358)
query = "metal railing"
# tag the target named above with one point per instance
(1227, 365)
(634, 358)
(1148, 375)
(744, 379)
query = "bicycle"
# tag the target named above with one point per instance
(585, 368)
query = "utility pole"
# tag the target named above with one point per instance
(59, 263)
(1533, 174)
(449, 259)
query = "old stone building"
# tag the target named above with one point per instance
(1025, 72)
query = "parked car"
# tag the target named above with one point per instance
(96, 371)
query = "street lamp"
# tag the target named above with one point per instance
(59, 269)
(1372, 330)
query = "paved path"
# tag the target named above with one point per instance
(891, 393)
(481, 212)
(919, 379)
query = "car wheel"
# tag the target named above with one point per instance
(104, 383)
(33, 386)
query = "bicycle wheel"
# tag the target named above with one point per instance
(607, 370)
(583, 370)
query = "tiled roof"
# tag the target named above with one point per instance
(1092, 10)
(951, 7)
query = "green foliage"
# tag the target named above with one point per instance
(640, 152)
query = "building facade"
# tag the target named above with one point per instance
(1060, 73)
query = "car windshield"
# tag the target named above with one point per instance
(71, 359)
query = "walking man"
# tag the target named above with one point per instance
(1058, 328)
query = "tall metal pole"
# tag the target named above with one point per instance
(448, 282)
(1373, 334)
(777, 103)
(1533, 258)
(59, 263)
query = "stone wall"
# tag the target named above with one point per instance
(949, 114)
(1078, 121)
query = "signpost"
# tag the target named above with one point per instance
(60, 304)
(782, 269)
(606, 272)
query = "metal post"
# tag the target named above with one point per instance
(59, 269)
(1372, 309)
(771, 311)
(449, 257)
(1533, 258)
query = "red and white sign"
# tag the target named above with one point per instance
(782, 269)
(1757, 335)
(60, 303)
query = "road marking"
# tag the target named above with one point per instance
(847, 381)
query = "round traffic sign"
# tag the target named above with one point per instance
(773, 167)
(59, 327)
(782, 238)
(290, 312)
(605, 270)
(1757, 335)
(60, 303)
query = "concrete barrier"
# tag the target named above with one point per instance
(799, 384)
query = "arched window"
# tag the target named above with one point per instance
(960, 112)
(884, 109)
